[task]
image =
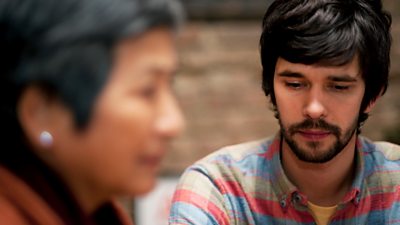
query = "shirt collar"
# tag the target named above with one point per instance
(354, 194)
(280, 182)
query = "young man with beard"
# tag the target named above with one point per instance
(325, 64)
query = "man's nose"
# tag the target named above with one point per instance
(315, 106)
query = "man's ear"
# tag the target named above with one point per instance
(34, 109)
(371, 105)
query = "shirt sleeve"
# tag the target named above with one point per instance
(198, 201)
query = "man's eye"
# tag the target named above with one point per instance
(337, 87)
(294, 85)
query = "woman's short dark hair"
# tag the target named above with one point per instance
(65, 47)
(332, 33)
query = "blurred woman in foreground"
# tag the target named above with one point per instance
(86, 107)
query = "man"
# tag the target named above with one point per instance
(325, 64)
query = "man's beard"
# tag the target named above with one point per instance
(320, 156)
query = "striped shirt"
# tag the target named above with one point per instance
(245, 184)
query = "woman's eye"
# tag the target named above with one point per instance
(148, 92)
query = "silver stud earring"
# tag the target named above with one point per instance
(46, 139)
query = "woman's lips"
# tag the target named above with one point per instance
(314, 135)
(152, 161)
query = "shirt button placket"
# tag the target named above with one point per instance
(283, 203)
(297, 197)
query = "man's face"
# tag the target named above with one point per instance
(318, 107)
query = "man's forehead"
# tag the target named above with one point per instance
(350, 70)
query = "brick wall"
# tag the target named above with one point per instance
(226, 9)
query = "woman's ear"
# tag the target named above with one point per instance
(34, 114)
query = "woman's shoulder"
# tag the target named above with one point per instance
(9, 213)
(20, 205)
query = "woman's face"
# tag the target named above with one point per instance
(133, 119)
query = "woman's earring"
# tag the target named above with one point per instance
(46, 139)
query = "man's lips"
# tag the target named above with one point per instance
(314, 135)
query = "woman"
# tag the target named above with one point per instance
(86, 106)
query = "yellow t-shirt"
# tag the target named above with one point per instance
(322, 215)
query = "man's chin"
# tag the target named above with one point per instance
(314, 152)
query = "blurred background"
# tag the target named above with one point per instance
(219, 89)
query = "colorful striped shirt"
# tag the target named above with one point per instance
(245, 184)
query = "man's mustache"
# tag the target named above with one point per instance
(315, 124)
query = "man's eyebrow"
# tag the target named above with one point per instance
(337, 78)
(342, 78)
(288, 73)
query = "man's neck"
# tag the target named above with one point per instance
(324, 184)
